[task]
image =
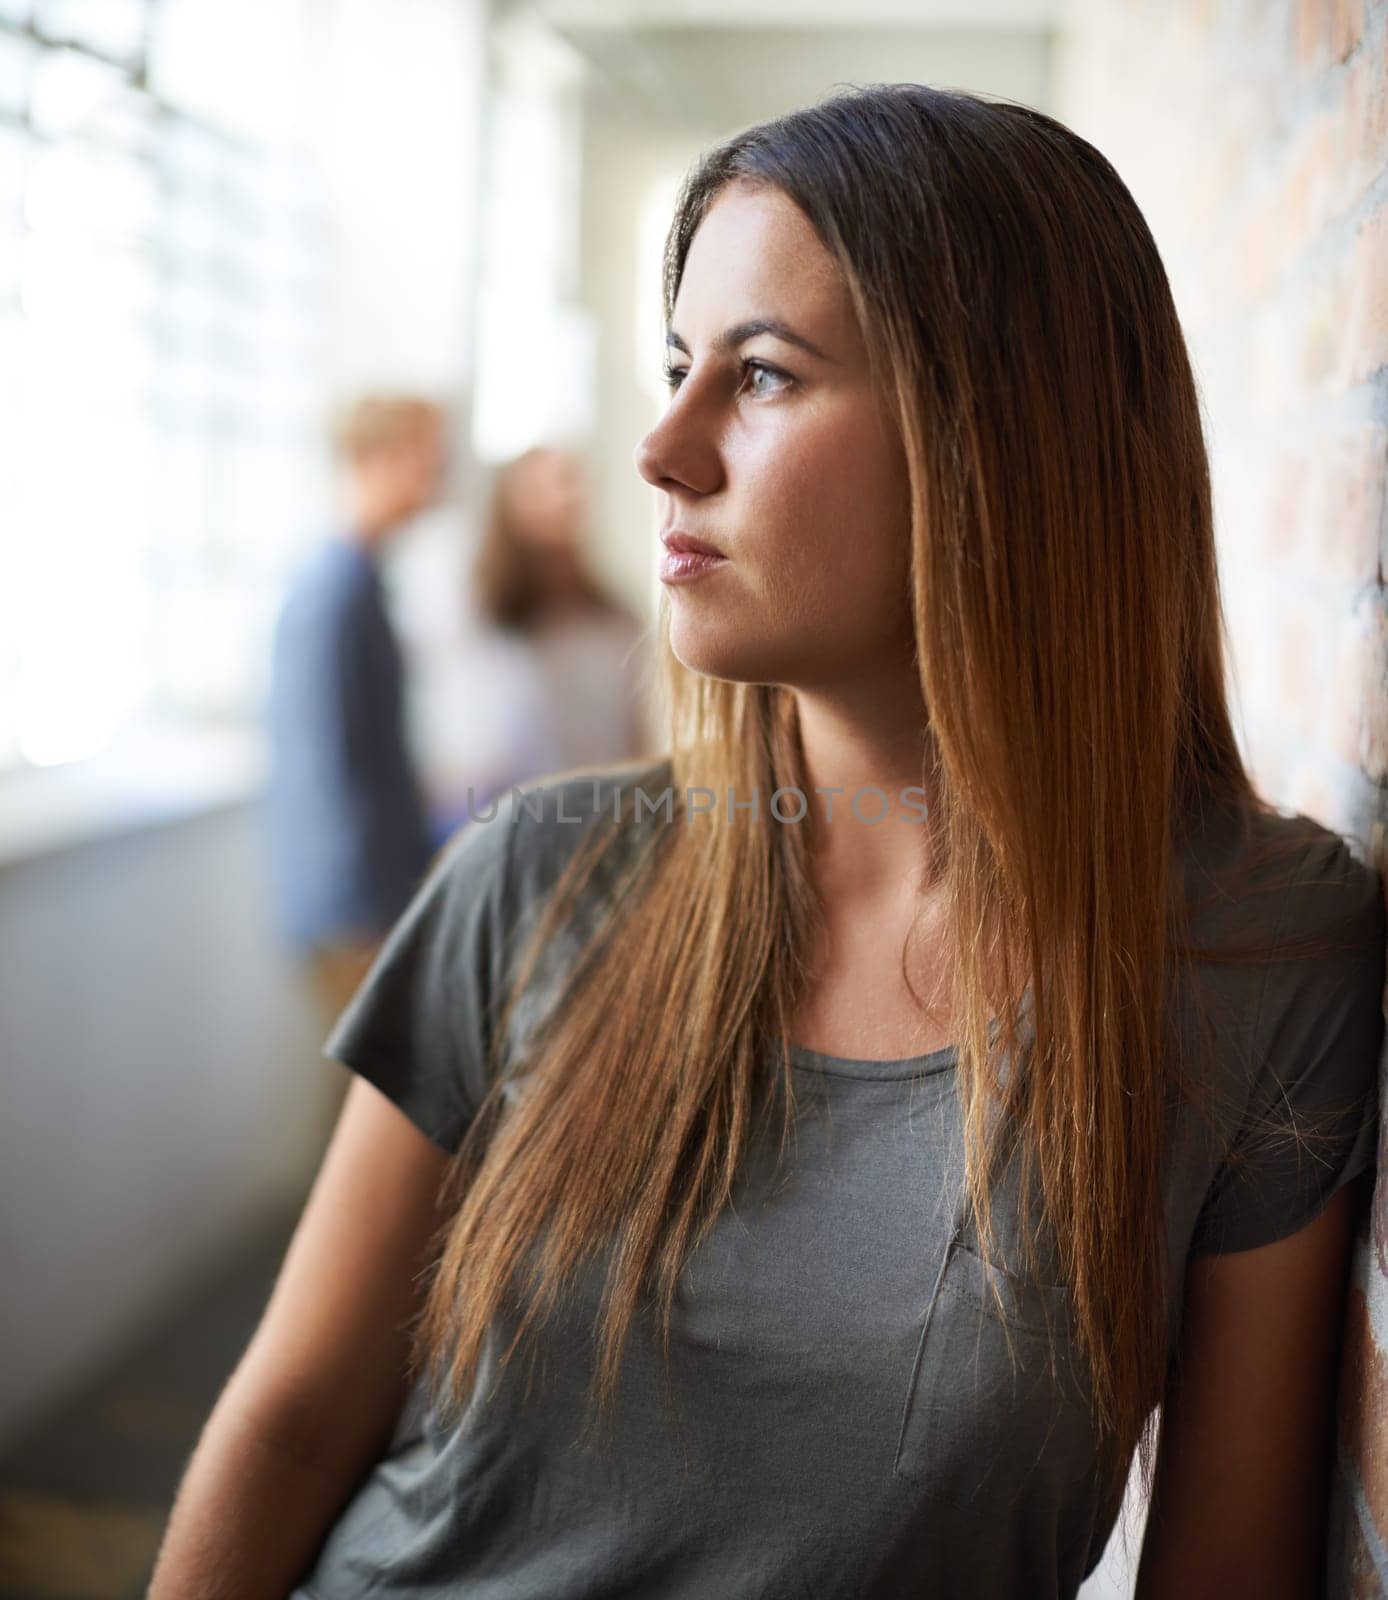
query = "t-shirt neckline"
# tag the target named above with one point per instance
(808, 1060)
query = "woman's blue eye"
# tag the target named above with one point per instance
(674, 375)
(769, 372)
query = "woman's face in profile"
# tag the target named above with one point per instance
(781, 456)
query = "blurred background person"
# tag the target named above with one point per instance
(569, 663)
(348, 829)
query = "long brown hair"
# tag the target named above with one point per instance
(506, 576)
(1069, 636)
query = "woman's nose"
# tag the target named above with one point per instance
(648, 459)
(678, 451)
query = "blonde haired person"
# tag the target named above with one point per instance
(349, 833)
(881, 1183)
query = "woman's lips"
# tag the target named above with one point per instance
(680, 566)
(686, 557)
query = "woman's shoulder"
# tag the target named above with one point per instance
(546, 810)
(1266, 875)
(1299, 917)
(548, 821)
(542, 823)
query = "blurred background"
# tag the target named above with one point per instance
(239, 243)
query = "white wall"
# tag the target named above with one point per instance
(161, 1084)
(159, 1071)
(395, 124)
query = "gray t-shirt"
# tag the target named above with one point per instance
(845, 1420)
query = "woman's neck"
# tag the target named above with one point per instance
(870, 809)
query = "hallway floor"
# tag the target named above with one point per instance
(84, 1497)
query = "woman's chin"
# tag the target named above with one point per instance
(710, 652)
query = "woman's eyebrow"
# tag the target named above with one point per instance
(741, 332)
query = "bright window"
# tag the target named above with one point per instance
(161, 383)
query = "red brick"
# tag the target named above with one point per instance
(1310, 794)
(1323, 334)
(1371, 156)
(1362, 1407)
(1309, 181)
(1346, 27)
(1367, 153)
(1379, 1211)
(1360, 1574)
(1259, 249)
(1298, 685)
(1289, 503)
(1274, 345)
(1215, 180)
(1308, 36)
(1364, 346)
(1359, 144)
(1351, 670)
(1200, 18)
(1324, 32)
(1373, 727)
(1352, 485)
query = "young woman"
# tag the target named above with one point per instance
(532, 584)
(554, 671)
(813, 1163)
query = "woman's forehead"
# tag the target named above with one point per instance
(755, 254)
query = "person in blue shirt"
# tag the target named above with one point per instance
(348, 828)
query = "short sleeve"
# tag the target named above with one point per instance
(420, 1025)
(1311, 1122)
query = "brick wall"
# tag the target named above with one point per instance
(1254, 135)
